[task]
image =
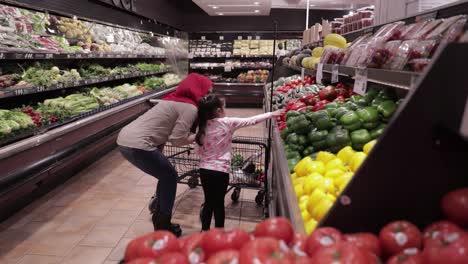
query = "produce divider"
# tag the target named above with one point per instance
(420, 157)
(32, 90)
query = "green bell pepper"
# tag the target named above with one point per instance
(387, 108)
(293, 154)
(319, 114)
(355, 98)
(338, 137)
(300, 125)
(307, 151)
(317, 135)
(285, 132)
(292, 113)
(368, 114)
(371, 95)
(350, 121)
(320, 145)
(376, 102)
(310, 116)
(377, 132)
(302, 140)
(359, 138)
(351, 106)
(332, 105)
(370, 125)
(324, 123)
(292, 139)
(340, 112)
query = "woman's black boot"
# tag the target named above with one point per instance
(163, 222)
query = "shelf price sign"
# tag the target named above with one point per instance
(319, 74)
(360, 81)
(335, 73)
(227, 68)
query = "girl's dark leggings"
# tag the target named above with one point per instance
(215, 184)
(157, 165)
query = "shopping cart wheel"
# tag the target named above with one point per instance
(193, 182)
(235, 194)
(260, 197)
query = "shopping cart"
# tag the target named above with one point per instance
(248, 168)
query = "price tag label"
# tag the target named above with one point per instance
(221, 37)
(203, 38)
(59, 85)
(79, 56)
(19, 92)
(86, 82)
(249, 37)
(2, 56)
(49, 56)
(28, 56)
(76, 83)
(335, 73)
(227, 68)
(414, 81)
(239, 37)
(360, 81)
(105, 79)
(257, 37)
(40, 89)
(319, 74)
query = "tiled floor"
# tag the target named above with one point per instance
(92, 217)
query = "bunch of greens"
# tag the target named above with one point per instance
(154, 83)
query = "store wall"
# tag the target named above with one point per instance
(185, 15)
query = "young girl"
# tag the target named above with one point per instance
(214, 140)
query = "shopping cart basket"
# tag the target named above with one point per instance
(248, 168)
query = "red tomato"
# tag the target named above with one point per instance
(193, 248)
(158, 243)
(408, 256)
(321, 238)
(172, 258)
(278, 227)
(131, 252)
(264, 250)
(343, 253)
(371, 257)
(366, 241)
(303, 260)
(435, 230)
(450, 249)
(142, 261)
(455, 206)
(225, 256)
(218, 239)
(399, 235)
(298, 244)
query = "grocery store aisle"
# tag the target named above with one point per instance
(92, 217)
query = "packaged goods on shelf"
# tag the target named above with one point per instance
(256, 76)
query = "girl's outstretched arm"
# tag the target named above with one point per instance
(236, 122)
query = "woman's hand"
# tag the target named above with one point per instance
(277, 113)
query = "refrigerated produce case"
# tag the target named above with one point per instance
(74, 98)
(419, 157)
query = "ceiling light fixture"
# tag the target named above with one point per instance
(214, 7)
(256, 3)
(312, 5)
(257, 11)
(221, 14)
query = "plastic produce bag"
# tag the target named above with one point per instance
(411, 30)
(418, 65)
(349, 51)
(391, 31)
(332, 55)
(428, 28)
(439, 31)
(382, 56)
(454, 32)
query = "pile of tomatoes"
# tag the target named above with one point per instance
(274, 241)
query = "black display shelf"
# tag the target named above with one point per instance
(231, 69)
(299, 69)
(13, 92)
(235, 57)
(397, 79)
(69, 56)
(420, 157)
(238, 84)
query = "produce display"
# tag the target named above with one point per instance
(30, 31)
(44, 74)
(171, 79)
(232, 64)
(252, 47)
(256, 76)
(29, 118)
(274, 241)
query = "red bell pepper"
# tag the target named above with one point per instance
(310, 100)
(340, 98)
(320, 105)
(296, 106)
